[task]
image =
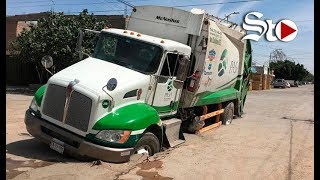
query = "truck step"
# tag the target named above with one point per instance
(173, 133)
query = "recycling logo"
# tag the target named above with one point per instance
(170, 86)
(223, 63)
(212, 55)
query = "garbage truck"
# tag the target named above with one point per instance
(169, 71)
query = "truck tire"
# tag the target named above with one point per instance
(148, 143)
(227, 116)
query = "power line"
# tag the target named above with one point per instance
(117, 10)
(31, 2)
(126, 3)
(208, 4)
(300, 57)
(48, 1)
(139, 0)
(291, 55)
(67, 4)
(267, 46)
(305, 55)
(265, 55)
(304, 20)
(80, 4)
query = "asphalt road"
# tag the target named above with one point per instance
(273, 140)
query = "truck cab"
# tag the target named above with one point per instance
(103, 105)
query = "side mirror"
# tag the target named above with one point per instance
(183, 68)
(47, 62)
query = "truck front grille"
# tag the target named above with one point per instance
(78, 113)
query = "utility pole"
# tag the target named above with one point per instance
(125, 11)
(52, 7)
(269, 69)
(126, 3)
(270, 58)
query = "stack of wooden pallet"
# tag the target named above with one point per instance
(256, 81)
(264, 81)
(269, 79)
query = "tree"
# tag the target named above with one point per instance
(290, 70)
(55, 35)
(308, 78)
(283, 69)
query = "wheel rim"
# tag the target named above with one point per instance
(143, 150)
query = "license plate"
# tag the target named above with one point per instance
(57, 145)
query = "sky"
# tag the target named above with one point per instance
(301, 49)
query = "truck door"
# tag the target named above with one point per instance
(166, 97)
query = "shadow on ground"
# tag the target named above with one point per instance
(34, 149)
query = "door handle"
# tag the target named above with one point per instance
(171, 104)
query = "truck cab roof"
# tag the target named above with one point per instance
(166, 44)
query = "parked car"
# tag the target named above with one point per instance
(288, 85)
(291, 82)
(280, 83)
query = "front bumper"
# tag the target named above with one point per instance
(73, 144)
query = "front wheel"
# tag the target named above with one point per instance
(148, 144)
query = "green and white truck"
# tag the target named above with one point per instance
(169, 70)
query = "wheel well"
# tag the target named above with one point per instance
(157, 131)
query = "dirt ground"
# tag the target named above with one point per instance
(273, 140)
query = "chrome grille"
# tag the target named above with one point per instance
(53, 103)
(78, 113)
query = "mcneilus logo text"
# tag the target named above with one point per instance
(162, 18)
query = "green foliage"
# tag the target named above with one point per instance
(56, 35)
(309, 78)
(291, 71)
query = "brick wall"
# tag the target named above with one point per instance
(22, 25)
(11, 28)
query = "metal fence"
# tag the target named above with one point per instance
(19, 73)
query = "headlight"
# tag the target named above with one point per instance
(116, 136)
(34, 105)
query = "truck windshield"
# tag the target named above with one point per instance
(130, 53)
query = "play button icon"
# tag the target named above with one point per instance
(286, 30)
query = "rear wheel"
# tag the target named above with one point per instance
(227, 116)
(148, 144)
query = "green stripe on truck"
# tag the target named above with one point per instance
(218, 97)
(39, 94)
(164, 109)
